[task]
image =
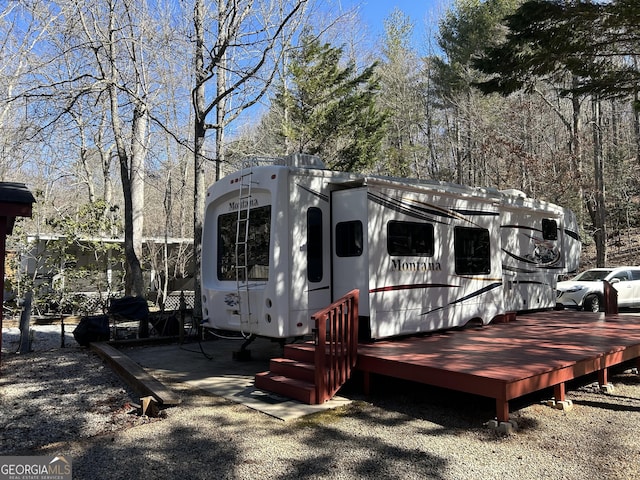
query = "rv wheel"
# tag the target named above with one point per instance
(592, 303)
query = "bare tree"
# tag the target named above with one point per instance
(117, 45)
(238, 54)
(19, 33)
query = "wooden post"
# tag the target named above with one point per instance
(559, 392)
(183, 308)
(502, 409)
(25, 317)
(603, 377)
(3, 244)
(366, 382)
(62, 339)
(610, 299)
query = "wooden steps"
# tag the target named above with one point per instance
(294, 369)
(293, 375)
(300, 390)
(299, 375)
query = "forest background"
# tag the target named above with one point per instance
(117, 114)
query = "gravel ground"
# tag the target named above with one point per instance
(57, 401)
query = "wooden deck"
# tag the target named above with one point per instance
(505, 361)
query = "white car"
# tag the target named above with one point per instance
(585, 290)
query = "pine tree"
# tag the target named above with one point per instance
(329, 109)
(583, 47)
(402, 95)
(597, 43)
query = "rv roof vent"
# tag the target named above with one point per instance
(260, 161)
(303, 160)
(514, 192)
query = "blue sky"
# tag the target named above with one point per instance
(374, 12)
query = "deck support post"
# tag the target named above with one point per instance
(559, 392)
(502, 410)
(603, 377)
(603, 381)
(366, 382)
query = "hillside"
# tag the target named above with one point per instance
(622, 249)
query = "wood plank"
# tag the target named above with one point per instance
(132, 373)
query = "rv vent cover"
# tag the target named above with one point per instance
(514, 192)
(303, 160)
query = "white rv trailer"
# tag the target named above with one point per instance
(282, 241)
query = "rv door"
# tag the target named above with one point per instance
(349, 241)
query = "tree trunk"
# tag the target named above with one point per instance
(457, 148)
(636, 125)
(221, 106)
(198, 157)
(130, 186)
(575, 148)
(84, 161)
(599, 214)
(138, 153)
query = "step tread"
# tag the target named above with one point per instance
(300, 390)
(293, 368)
(288, 380)
(297, 363)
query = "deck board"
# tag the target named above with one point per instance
(507, 360)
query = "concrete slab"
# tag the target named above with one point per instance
(210, 366)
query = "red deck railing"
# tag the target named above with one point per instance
(336, 339)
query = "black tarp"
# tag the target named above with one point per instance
(132, 308)
(93, 328)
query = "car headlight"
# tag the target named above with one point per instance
(575, 289)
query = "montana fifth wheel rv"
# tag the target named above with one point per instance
(282, 241)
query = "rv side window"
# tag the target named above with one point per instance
(410, 238)
(314, 244)
(349, 239)
(472, 250)
(257, 245)
(549, 229)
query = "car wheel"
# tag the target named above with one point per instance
(593, 303)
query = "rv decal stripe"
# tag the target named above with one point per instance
(483, 290)
(318, 289)
(517, 269)
(398, 206)
(321, 196)
(392, 288)
(519, 258)
(458, 213)
(483, 279)
(521, 227)
(572, 234)
(426, 211)
(468, 297)
(476, 212)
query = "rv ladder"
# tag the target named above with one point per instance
(242, 244)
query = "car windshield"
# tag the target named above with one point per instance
(592, 275)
